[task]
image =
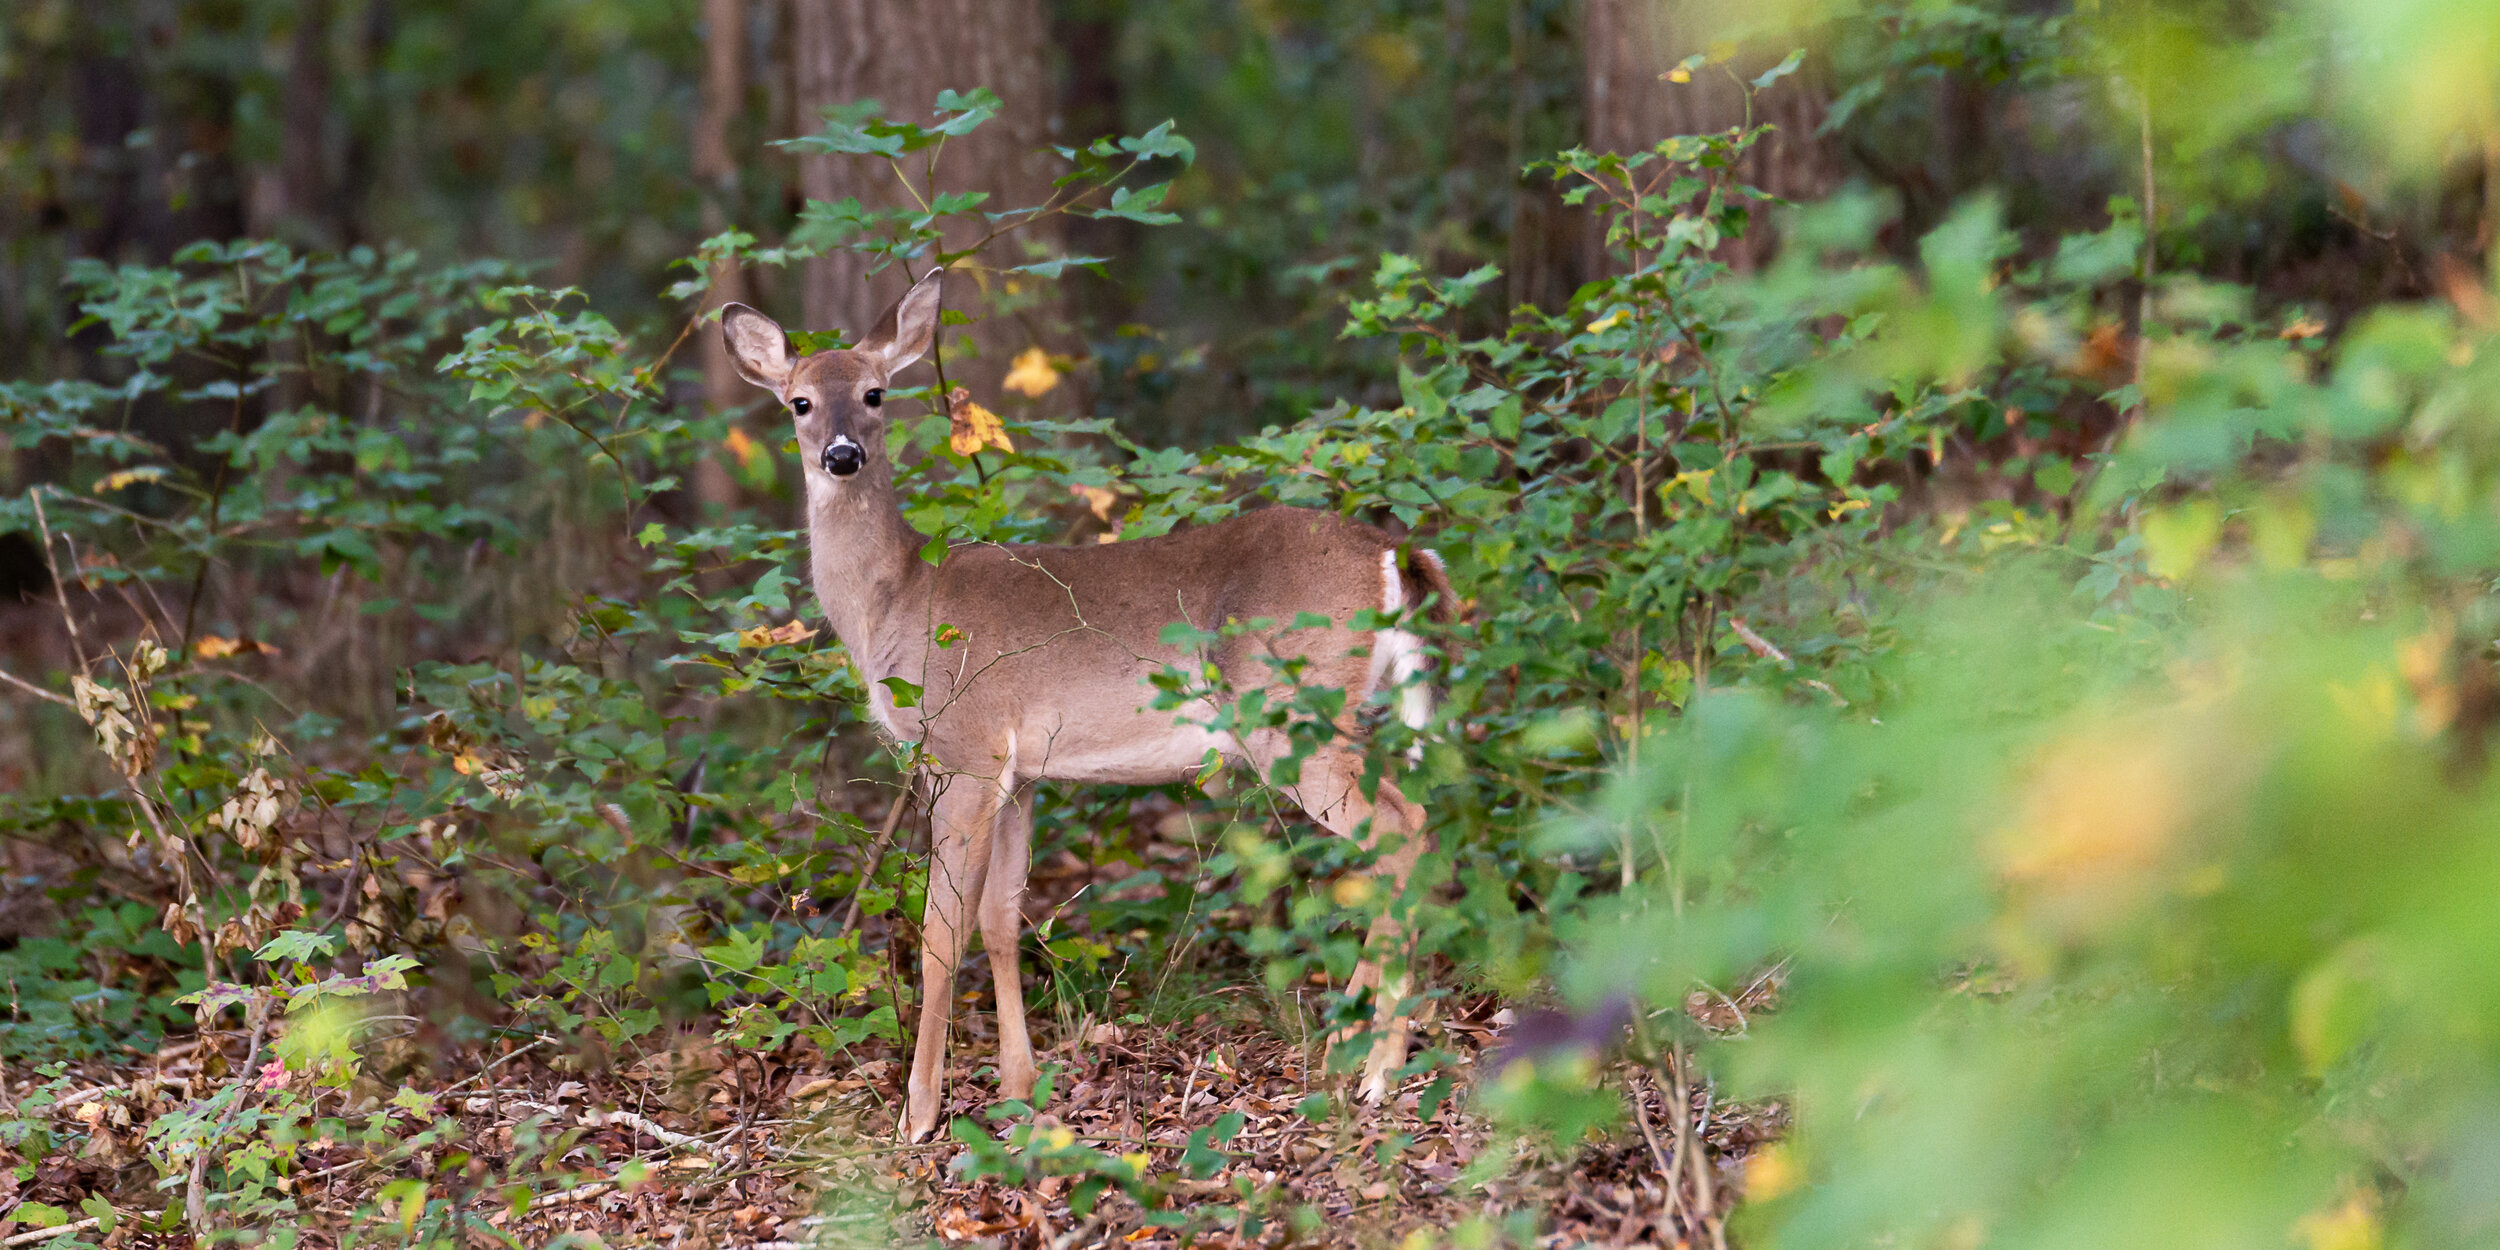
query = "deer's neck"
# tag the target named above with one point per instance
(864, 557)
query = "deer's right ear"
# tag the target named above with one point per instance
(757, 346)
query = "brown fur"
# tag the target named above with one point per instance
(1032, 663)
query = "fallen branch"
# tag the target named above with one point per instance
(570, 1197)
(46, 1234)
(644, 1125)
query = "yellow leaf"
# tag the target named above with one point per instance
(1098, 499)
(741, 446)
(1032, 376)
(792, 634)
(1679, 74)
(755, 639)
(1607, 322)
(2103, 804)
(2352, 1226)
(1771, 1172)
(2305, 328)
(213, 647)
(2177, 538)
(2333, 1007)
(115, 481)
(973, 427)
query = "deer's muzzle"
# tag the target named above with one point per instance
(843, 457)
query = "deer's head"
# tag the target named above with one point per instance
(836, 398)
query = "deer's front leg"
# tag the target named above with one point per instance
(1002, 929)
(962, 817)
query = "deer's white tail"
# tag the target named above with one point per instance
(1398, 656)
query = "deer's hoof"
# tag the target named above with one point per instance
(1381, 1067)
(918, 1124)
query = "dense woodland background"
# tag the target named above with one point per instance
(1978, 525)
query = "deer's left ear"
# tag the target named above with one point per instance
(903, 335)
(758, 347)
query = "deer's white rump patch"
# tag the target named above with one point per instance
(1398, 656)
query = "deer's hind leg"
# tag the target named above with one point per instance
(1330, 790)
(1002, 928)
(964, 816)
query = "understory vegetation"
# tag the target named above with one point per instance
(1963, 732)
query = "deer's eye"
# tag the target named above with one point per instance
(874, 397)
(801, 405)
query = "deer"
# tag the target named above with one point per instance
(1033, 663)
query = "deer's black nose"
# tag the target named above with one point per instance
(843, 457)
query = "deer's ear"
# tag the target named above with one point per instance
(757, 346)
(903, 335)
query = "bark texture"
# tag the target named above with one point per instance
(902, 53)
(715, 161)
(1630, 43)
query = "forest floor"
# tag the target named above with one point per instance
(693, 1147)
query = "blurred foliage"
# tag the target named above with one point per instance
(2063, 670)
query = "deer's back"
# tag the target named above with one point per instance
(1057, 643)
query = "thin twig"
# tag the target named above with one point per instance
(1666, 1170)
(195, 1204)
(37, 691)
(876, 855)
(77, 645)
(1763, 647)
(489, 1069)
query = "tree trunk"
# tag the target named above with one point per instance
(716, 171)
(312, 204)
(1549, 250)
(1092, 104)
(903, 53)
(1630, 43)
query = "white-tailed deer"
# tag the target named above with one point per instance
(1033, 664)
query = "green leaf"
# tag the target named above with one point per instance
(1782, 70)
(905, 694)
(40, 1214)
(300, 945)
(1161, 141)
